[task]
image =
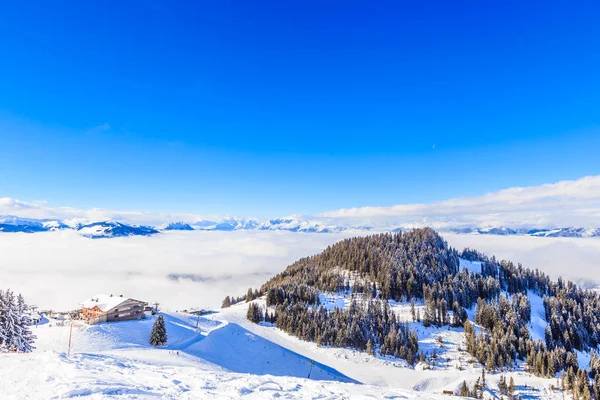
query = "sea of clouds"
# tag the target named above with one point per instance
(58, 270)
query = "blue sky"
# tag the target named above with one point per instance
(273, 108)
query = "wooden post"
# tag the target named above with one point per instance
(70, 335)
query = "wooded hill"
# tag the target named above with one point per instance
(419, 264)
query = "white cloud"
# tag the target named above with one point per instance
(41, 210)
(561, 204)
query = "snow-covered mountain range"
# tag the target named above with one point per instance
(107, 229)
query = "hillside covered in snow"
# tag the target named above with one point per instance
(224, 356)
(207, 357)
(511, 317)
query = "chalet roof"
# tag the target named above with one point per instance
(105, 302)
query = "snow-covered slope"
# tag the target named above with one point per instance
(224, 356)
(220, 359)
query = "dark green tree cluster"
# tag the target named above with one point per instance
(594, 365)
(366, 325)
(292, 294)
(548, 363)
(397, 265)
(507, 388)
(571, 312)
(579, 385)
(596, 389)
(507, 339)
(476, 392)
(255, 313)
(252, 295)
(228, 301)
(573, 317)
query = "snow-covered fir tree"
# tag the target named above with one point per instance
(15, 335)
(158, 335)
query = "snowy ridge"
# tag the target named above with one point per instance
(9, 223)
(557, 232)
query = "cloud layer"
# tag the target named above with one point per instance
(179, 269)
(198, 269)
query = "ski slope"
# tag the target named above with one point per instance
(220, 359)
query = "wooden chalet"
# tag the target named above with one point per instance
(110, 308)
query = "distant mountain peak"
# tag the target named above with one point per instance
(106, 229)
(176, 226)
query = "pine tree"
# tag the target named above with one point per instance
(477, 389)
(490, 364)
(370, 348)
(226, 302)
(502, 385)
(511, 387)
(158, 335)
(254, 313)
(483, 377)
(569, 379)
(464, 390)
